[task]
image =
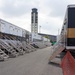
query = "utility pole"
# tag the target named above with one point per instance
(39, 29)
(58, 31)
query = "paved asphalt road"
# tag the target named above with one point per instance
(34, 63)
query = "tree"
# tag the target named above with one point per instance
(47, 36)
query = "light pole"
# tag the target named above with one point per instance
(39, 29)
(58, 31)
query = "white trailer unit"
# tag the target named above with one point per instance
(36, 37)
(46, 39)
(6, 27)
(23, 32)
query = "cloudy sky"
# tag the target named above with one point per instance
(50, 13)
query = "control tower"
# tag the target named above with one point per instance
(34, 21)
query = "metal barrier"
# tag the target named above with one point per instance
(68, 64)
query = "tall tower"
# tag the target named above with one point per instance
(34, 21)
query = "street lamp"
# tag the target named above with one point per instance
(39, 29)
(58, 31)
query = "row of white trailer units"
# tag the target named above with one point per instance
(8, 28)
(26, 42)
(36, 37)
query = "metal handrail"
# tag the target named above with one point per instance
(58, 43)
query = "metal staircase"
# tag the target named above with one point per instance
(33, 48)
(40, 44)
(23, 44)
(10, 50)
(56, 49)
(3, 56)
(19, 45)
(13, 44)
(30, 47)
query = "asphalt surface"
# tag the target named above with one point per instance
(34, 63)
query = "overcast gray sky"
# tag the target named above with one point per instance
(50, 13)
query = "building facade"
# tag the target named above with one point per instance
(53, 38)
